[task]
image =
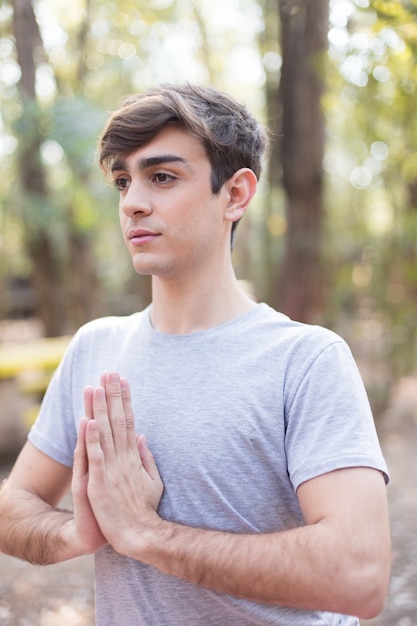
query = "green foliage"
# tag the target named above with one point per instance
(97, 52)
(77, 123)
(372, 175)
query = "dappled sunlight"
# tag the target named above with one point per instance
(347, 194)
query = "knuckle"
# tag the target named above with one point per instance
(130, 421)
(107, 437)
(120, 422)
(97, 459)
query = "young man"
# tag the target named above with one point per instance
(263, 500)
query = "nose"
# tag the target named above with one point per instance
(135, 200)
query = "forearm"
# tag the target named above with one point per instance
(32, 530)
(337, 562)
(303, 568)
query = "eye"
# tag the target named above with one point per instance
(162, 177)
(121, 183)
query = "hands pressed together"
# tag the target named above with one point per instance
(116, 485)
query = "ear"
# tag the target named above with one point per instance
(241, 188)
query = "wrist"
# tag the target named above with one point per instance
(73, 543)
(72, 546)
(148, 544)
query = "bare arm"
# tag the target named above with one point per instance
(29, 519)
(339, 561)
(32, 527)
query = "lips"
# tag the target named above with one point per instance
(139, 236)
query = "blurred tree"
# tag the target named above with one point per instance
(47, 268)
(371, 169)
(274, 222)
(63, 268)
(304, 27)
(295, 103)
(395, 285)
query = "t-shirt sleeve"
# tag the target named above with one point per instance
(55, 430)
(329, 420)
(93, 349)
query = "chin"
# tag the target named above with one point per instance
(150, 268)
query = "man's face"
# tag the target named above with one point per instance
(171, 221)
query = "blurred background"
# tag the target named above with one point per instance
(331, 236)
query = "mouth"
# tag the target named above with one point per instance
(139, 236)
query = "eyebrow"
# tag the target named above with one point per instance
(146, 162)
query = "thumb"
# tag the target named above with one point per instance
(147, 458)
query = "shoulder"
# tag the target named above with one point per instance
(107, 333)
(293, 335)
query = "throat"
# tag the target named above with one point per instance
(184, 315)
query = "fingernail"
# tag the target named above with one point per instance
(100, 393)
(114, 377)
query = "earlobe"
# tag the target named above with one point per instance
(241, 188)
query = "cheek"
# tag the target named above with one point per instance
(122, 222)
(197, 227)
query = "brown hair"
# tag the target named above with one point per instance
(231, 136)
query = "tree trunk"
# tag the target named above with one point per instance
(268, 41)
(40, 247)
(83, 286)
(67, 290)
(304, 25)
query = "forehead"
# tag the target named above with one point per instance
(171, 144)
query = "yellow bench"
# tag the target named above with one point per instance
(38, 354)
(32, 364)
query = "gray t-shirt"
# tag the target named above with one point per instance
(237, 416)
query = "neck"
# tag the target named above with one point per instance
(182, 308)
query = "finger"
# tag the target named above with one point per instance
(148, 459)
(95, 452)
(129, 415)
(80, 452)
(116, 412)
(102, 421)
(88, 401)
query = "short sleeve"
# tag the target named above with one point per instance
(329, 420)
(55, 431)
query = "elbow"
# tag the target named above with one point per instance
(369, 590)
(372, 606)
(373, 603)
